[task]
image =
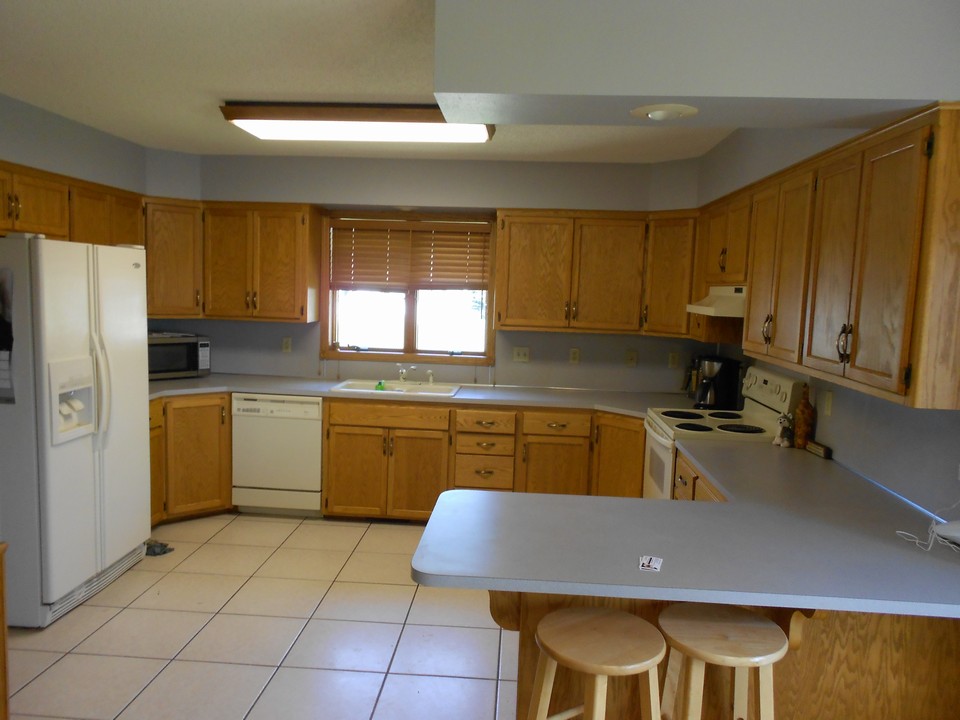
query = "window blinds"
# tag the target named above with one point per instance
(381, 255)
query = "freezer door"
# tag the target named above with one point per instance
(69, 513)
(123, 443)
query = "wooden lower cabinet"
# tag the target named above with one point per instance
(485, 445)
(688, 484)
(618, 455)
(197, 437)
(385, 460)
(555, 455)
(158, 463)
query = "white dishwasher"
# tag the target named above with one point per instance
(277, 452)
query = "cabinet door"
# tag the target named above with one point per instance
(227, 249)
(198, 454)
(608, 275)
(618, 456)
(726, 231)
(555, 465)
(355, 482)
(158, 463)
(174, 260)
(534, 267)
(278, 260)
(885, 268)
(42, 206)
(831, 262)
(418, 472)
(668, 276)
(684, 479)
(763, 246)
(7, 203)
(89, 216)
(126, 220)
(790, 269)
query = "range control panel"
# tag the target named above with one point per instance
(777, 392)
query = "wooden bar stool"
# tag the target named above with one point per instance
(599, 642)
(720, 635)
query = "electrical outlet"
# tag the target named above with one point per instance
(631, 358)
(673, 360)
(574, 356)
(521, 354)
(826, 403)
(286, 344)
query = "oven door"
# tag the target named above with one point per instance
(659, 456)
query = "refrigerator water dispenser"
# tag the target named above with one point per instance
(72, 399)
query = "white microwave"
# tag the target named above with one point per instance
(177, 355)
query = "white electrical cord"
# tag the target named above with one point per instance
(932, 536)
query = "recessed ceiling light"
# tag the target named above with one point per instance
(664, 111)
(351, 123)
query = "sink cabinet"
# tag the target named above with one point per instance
(555, 454)
(385, 459)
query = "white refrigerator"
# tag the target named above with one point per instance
(74, 427)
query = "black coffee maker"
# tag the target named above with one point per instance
(718, 384)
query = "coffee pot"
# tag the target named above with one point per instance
(718, 383)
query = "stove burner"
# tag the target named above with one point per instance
(682, 415)
(695, 427)
(741, 428)
(726, 415)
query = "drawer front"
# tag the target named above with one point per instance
(493, 472)
(487, 421)
(483, 444)
(388, 415)
(556, 423)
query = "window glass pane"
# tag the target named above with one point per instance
(451, 320)
(370, 319)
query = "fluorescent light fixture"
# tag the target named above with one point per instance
(351, 123)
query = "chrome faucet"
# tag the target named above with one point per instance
(430, 377)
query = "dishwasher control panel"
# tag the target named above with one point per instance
(277, 406)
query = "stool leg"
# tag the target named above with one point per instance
(766, 692)
(691, 689)
(670, 679)
(542, 687)
(595, 698)
(650, 696)
(741, 694)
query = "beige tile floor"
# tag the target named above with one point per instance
(270, 617)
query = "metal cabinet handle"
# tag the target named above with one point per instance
(646, 314)
(486, 445)
(384, 445)
(847, 338)
(223, 415)
(484, 473)
(566, 311)
(485, 423)
(682, 481)
(841, 343)
(256, 301)
(391, 446)
(722, 260)
(556, 425)
(575, 313)
(198, 298)
(19, 207)
(767, 327)
(246, 299)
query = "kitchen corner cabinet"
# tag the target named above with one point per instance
(866, 248)
(726, 230)
(688, 484)
(174, 239)
(34, 203)
(103, 217)
(197, 437)
(561, 272)
(555, 452)
(158, 463)
(618, 455)
(780, 228)
(385, 459)
(261, 261)
(668, 275)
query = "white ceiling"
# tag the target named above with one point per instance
(155, 72)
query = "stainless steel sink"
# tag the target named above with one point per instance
(393, 387)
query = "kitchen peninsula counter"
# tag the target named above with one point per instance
(872, 619)
(634, 404)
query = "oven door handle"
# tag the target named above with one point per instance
(655, 434)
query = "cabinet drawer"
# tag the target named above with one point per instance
(480, 471)
(484, 444)
(556, 423)
(388, 415)
(486, 421)
(684, 480)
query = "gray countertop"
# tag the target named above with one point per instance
(625, 403)
(798, 531)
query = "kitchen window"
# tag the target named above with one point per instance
(409, 290)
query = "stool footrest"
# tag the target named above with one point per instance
(566, 714)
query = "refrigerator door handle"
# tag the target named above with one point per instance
(104, 397)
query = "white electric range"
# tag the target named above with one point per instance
(766, 397)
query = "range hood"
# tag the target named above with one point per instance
(721, 301)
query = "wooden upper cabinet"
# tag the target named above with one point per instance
(607, 274)
(174, 259)
(34, 203)
(781, 218)
(668, 277)
(864, 267)
(727, 229)
(534, 267)
(227, 262)
(258, 262)
(101, 217)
